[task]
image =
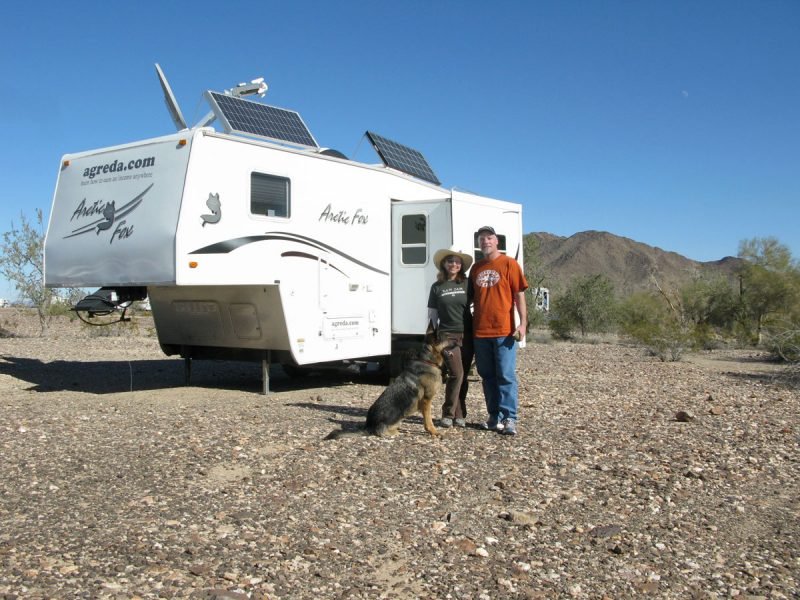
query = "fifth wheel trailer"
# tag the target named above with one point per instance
(254, 242)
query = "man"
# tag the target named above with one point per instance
(496, 286)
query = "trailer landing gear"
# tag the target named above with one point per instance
(265, 361)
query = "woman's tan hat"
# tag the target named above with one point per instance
(440, 255)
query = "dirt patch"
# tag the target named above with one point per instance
(118, 481)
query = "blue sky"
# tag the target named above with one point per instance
(674, 123)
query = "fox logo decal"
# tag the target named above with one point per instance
(215, 207)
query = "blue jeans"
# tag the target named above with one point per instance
(496, 359)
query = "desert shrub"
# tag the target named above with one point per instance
(560, 328)
(60, 309)
(703, 336)
(784, 342)
(670, 343)
(649, 320)
(22, 263)
(587, 305)
(709, 307)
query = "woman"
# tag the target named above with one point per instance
(449, 314)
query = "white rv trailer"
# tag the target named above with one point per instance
(251, 245)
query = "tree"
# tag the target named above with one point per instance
(22, 263)
(588, 304)
(769, 284)
(767, 252)
(710, 307)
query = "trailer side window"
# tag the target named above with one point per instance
(269, 195)
(501, 245)
(414, 239)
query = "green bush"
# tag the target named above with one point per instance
(587, 305)
(648, 320)
(560, 329)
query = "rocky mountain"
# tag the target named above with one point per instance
(630, 265)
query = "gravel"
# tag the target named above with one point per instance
(628, 476)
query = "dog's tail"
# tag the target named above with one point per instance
(345, 433)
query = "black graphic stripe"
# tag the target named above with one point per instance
(314, 258)
(335, 251)
(227, 246)
(230, 245)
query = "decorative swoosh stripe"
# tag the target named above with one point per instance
(227, 246)
(314, 258)
(118, 214)
(230, 245)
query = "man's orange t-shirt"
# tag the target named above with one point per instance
(493, 285)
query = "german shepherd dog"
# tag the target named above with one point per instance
(412, 391)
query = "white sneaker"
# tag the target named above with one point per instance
(493, 425)
(509, 427)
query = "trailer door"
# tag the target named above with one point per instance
(418, 230)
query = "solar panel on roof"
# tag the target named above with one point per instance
(253, 118)
(400, 157)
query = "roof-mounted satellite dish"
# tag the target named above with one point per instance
(169, 98)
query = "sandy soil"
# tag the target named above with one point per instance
(629, 477)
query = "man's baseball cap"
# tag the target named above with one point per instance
(486, 228)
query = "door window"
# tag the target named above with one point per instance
(414, 239)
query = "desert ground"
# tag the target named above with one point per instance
(629, 477)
